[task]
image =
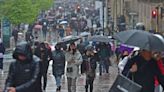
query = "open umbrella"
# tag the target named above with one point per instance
(142, 39)
(63, 22)
(99, 38)
(84, 34)
(124, 47)
(69, 39)
(38, 26)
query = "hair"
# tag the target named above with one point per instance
(69, 49)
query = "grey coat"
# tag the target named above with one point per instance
(77, 62)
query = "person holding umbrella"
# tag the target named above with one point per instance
(74, 60)
(44, 54)
(104, 58)
(58, 58)
(142, 68)
(89, 67)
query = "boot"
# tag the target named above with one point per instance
(58, 89)
(86, 88)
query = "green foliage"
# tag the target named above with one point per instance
(23, 11)
(44, 4)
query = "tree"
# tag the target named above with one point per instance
(44, 4)
(23, 11)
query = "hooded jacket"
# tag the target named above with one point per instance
(24, 75)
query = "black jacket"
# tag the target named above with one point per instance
(93, 64)
(24, 75)
(58, 58)
(2, 48)
(147, 70)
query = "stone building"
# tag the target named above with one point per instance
(137, 11)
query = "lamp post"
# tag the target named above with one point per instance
(103, 6)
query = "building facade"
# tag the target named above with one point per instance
(137, 11)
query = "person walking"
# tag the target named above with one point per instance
(74, 60)
(123, 60)
(61, 31)
(15, 35)
(90, 67)
(104, 58)
(142, 69)
(58, 65)
(43, 53)
(24, 72)
(2, 51)
(160, 63)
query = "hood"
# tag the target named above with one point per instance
(23, 49)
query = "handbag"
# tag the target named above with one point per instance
(123, 84)
(69, 69)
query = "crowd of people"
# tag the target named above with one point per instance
(28, 73)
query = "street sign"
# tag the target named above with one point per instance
(6, 33)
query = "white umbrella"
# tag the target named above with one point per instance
(85, 34)
(63, 22)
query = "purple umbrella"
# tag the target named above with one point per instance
(124, 47)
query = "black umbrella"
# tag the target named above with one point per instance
(99, 38)
(142, 39)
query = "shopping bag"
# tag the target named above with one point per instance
(123, 84)
(82, 79)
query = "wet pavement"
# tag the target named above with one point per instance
(101, 83)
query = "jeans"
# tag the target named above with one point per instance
(58, 80)
(101, 66)
(1, 63)
(104, 64)
(71, 84)
(44, 69)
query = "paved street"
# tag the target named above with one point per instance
(101, 83)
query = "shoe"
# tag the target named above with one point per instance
(59, 88)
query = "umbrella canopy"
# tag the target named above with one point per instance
(63, 22)
(38, 26)
(142, 39)
(69, 39)
(99, 38)
(84, 34)
(124, 47)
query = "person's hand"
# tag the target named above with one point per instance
(134, 68)
(73, 61)
(11, 89)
